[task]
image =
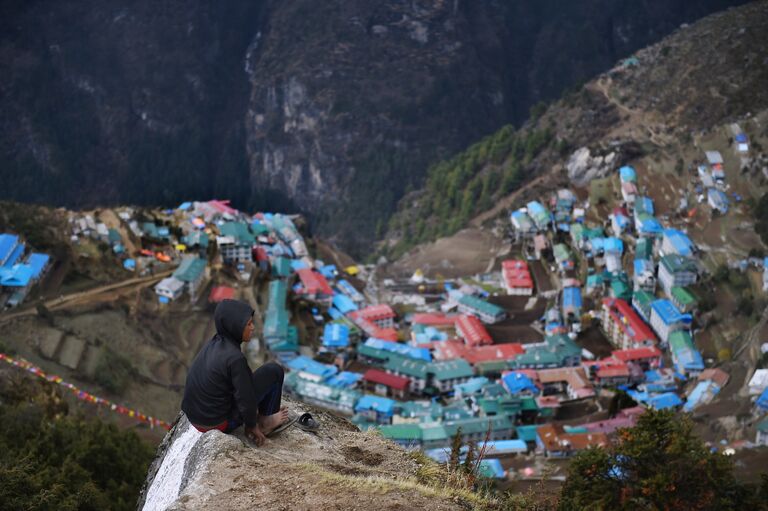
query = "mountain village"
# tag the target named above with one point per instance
(528, 360)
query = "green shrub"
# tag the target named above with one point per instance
(113, 371)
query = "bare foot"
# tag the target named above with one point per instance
(268, 423)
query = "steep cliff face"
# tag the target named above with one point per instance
(338, 468)
(334, 108)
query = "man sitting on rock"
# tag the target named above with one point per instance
(221, 392)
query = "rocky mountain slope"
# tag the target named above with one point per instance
(651, 110)
(339, 468)
(333, 108)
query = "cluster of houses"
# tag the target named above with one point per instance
(426, 376)
(20, 269)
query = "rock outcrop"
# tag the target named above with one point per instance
(337, 468)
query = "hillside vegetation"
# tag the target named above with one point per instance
(50, 459)
(695, 80)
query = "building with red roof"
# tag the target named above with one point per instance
(381, 314)
(608, 371)
(433, 319)
(451, 350)
(649, 357)
(386, 384)
(624, 327)
(472, 331)
(314, 286)
(556, 443)
(371, 329)
(494, 353)
(221, 293)
(517, 277)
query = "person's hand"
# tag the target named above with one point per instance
(256, 435)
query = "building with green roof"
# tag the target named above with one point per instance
(621, 288)
(448, 373)
(644, 249)
(641, 301)
(279, 334)
(235, 242)
(197, 239)
(487, 312)
(677, 270)
(406, 435)
(556, 351)
(683, 298)
(281, 267)
(192, 272)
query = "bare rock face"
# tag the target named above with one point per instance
(337, 468)
(335, 108)
(583, 166)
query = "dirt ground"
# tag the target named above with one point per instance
(594, 340)
(467, 252)
(517, 326)
(338, 468)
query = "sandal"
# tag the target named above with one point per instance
(285, 425)
(307, 423)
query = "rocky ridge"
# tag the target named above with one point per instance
(338, 468)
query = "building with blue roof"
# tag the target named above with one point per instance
(572, 303)
(38, 263)
(311, 369)
(674, 241)
(648, 226)
(519, 384)
(614, 245)
(8, 243)
(540, 215)
(644, 275)
(765, 274)
(762, 400)
(349, 290)
(666, 319)
(344, 303)
(502, 447)
(329, 271)
(376, 408)
(522, 223)
(344, 379)
(628, 174)
(620, 223)
(401, 349)
(18, 276)
(703, 393)
(664, 401)
(335, 336)
(15, 255)
(472, 386)
(717, 200)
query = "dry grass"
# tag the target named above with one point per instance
(427, 483)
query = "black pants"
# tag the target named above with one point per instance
(268, 384)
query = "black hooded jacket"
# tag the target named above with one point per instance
(220, 379)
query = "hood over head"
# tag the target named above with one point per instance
(230, 318)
